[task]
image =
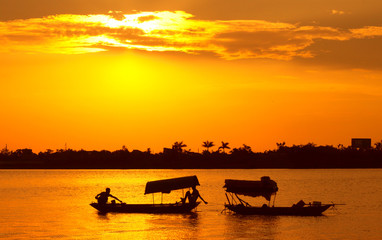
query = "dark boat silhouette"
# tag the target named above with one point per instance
(162, 186)
(266, 188)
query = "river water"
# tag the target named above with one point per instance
(54, 204)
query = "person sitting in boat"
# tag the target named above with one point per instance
(103, 197)
(192, 197)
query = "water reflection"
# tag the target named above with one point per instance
(173, 226)
(242, 226)
(103, 216)
(149, 226)
(192, 220)
(61, 199)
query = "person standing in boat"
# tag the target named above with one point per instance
(192, 197)
(103, 197)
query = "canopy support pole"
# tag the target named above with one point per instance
(242, 201)
(227, 199)
(233, 199)
(274, 199)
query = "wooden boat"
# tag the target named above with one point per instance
(293, 211)
(265, 188)
(162, 186)
(145, 208)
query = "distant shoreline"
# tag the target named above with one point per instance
(344, 168)
(307, 156)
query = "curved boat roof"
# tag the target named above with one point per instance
(265, 187)
(167, 185)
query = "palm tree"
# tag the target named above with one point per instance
(246, 148)
(208, 145)
(280, 145)
(224, 146)
(5, 150)
(178, 146)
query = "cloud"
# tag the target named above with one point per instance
(173, 31)
(337, 12)
(356, 53)
(117, 15)
(146, 18)
(367, 32)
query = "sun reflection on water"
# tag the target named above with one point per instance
(46, 204)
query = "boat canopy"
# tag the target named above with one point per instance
(167, 185)
(266, 187)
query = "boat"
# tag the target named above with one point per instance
(266, 188)
(145, 208)
(162, 186)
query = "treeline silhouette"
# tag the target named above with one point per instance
(296, 156)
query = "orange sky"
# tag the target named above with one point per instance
(102, 74)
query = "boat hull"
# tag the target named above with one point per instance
(145, 208)
(293, 211)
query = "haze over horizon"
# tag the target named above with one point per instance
(101, 74)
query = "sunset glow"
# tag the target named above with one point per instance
(170, 31)
(145, 78)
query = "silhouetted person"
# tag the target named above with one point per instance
(103, 197)
(192, 197)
